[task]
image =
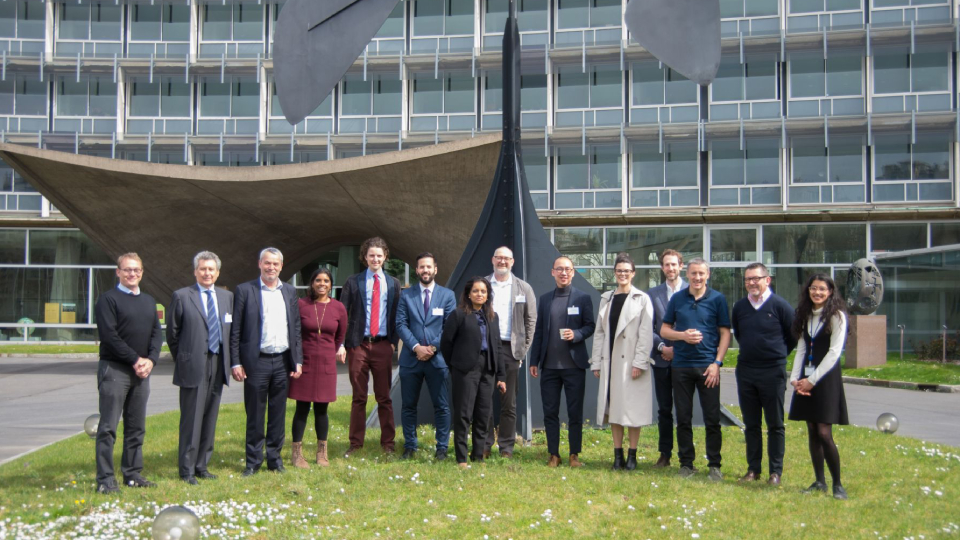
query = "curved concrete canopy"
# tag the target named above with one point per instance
(420, 199)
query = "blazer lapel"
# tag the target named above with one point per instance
(195, 299)
(416, 295)
(222, 306)
(258, 298)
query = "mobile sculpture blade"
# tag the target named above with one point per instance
(683, 34)
(315, 43)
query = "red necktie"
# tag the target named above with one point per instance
(375, 308)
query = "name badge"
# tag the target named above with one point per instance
(438, 311)
(808, 371)
(228, 318)
(573, 310)
(521, 299)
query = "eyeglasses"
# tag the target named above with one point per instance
(818, 289)
(754, 279)
(136, 271)
(623, 272)
(561, 270)
(498, 258)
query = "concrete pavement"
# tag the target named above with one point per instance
(43, 400)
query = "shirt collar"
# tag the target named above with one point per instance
(706, 293)
(763, 297)
(679, 286)
(212, 287)
(263, 286)
(430, 288)
(128, 291)
(494, 281)
(378, 273)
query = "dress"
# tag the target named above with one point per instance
(826, 403)
(318, 382)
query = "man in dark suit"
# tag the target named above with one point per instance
(671, 264)
(371, 298)
(421, 314)
(265, 347)
(130, 340)
(200, 316)
(565, 320)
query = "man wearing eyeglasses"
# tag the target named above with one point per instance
(559, 357)
(698, 322)
(761, 324)
(130, 341)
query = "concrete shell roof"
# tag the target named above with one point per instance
(419, 199)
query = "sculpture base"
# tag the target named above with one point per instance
(866, 341)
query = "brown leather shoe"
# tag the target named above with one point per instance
(749, 477)
(506, 455)
(662, 463)
(486, 454)
(575, 461)
(389, 449)
(774, 480)
(554, 461)
(351, 450)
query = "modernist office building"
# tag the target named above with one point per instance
(830, 133)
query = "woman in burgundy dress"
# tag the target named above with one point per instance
(323, 324)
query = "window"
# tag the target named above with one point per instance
(656, 84)
(944, 234)
(92, 96)
(814, 244)
(231, 158)
(232, 22)
(239, 97)
(816, 6)
(448, 93)
(813, 162)
(897, 236)
(324, 109)
(393, 26)
(531, 16)
(22, 19)
(812, 76)
(536, 167)
(897, 73)
(380, 94)
(23, 96)
(51, 247)
(161, 22)
(588, 181)
(912, 172)
(644, 244)
(588, 13)
(13, 246)
(670, 178)
(533, 92)
(442, 17)
(94, 21)
(733, 245)
(584, 246)
(165, 97)
(730, 9)
(756, 164)
(756, 79)
(600, 86)
(157, 156)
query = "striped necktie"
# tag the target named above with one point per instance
(213, 325)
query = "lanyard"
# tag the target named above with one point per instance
(813, 336)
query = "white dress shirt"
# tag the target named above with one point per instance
(671, 292)
(274, 338)
(203, 299)
(763, 298)
(503, 304)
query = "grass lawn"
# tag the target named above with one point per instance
(899, 487)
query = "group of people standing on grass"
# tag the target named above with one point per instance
(669, 342)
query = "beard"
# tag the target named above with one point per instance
(425, 279)
(501, 271)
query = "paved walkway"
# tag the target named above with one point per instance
(43, 400)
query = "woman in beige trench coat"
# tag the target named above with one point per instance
(621, 360)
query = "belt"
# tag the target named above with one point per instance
(373, 339)
(272, 355)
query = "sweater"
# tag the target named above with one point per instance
(128, 327)
(838, 334)
(764, 334)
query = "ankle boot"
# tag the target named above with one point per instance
(296, 458)
(322, 454)
(618, 459)
(631, 459)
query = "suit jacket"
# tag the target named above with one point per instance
(583, 324)
(187, 334)
(353, 297)
(248, 323)
(414, 330)
(658, 295)
(460, 342)
(523, 322)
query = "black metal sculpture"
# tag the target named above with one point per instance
(864, 287)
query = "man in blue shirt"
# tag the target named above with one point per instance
(698, 322)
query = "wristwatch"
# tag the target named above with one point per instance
(719, 363)
(660, 347)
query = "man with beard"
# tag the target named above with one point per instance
(420, 316)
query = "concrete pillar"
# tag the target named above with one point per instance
(348, 263)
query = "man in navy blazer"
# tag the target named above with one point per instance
(371, 298)
(671, 264)
(559, 353)
(423, 310)
(265, 348)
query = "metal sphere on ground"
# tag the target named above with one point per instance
(176, 523)
(887, 423)
(91, 424)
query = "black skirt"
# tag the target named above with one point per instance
(826, 403)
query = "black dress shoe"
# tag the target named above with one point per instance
(192, 480)
(279, 469)
(839, 493)
(816, 486)
(441, 454)
(204, 475)
(408, 453)
(107, 489)
(139, 482)
(249, 471)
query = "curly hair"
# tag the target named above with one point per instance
(375, 242)
(833, 306)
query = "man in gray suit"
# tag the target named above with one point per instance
(671, 263)
(200, 317)
(516, 307)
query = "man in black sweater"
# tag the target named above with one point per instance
(130, 343)
(761, 324)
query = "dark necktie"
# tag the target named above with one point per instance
(375, 308)
(213, 325)
(426, 303)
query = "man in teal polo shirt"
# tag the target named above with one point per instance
(698, 322)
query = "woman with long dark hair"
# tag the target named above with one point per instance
(820, 325)
(323, 326)
(470, 345)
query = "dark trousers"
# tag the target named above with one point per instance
(411, 381)
(572, 382)
(265, 391)
(761, 390)
(472, 402)
(506, 434)
(364, 360)
(122, 392)
(199, 407)
(685, 381)
(663, 385)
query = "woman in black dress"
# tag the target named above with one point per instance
(821, 327)
(469, 344)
